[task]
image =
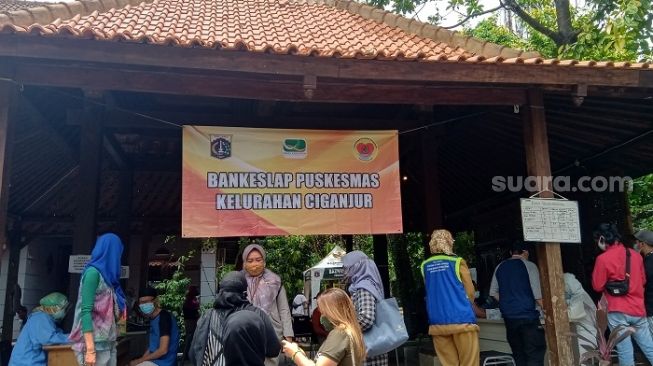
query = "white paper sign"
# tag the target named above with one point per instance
(76, 264)
(550, 220)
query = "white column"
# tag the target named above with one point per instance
(207, 276)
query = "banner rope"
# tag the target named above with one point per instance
(169, 123)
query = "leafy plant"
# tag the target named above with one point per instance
(641, 202)
(603, 353)
(172, 292)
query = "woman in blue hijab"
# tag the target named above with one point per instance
(366, 289)
(100, 305)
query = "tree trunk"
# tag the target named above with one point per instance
(566, 30)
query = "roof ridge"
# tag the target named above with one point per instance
(452, 38)
(48, 13)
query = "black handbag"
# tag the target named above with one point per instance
(620, 288)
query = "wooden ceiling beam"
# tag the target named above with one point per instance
(150, 119)
(249, 87)
(80, 51)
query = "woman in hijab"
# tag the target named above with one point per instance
(191, 312)
(450, 303)
(366, 289)
(100, 304)
(40, 330)
(234, 332)
(582, 313)
(265, 290)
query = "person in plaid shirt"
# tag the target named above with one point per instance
(365, 288)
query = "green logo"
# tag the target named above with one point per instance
(295, 148)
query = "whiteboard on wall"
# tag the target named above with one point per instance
(550, 220)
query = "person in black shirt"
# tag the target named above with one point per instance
(645, 243)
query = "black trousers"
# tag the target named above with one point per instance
(527, 341)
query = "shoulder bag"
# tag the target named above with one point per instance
(389, 330)
(620, 288)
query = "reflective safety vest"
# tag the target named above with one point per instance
(446, 300)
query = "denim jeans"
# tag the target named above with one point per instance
(642, 337)
(102, 358)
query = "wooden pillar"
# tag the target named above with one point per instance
(548, 254)
(146, 239)
(90, 154)
(430, 168)
(8, 104)
(125, 194)
(15, 247)
(380, 243)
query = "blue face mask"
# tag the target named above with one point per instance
(147, 308)
(59, 315)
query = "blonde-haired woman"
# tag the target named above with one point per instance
(449, 303)
(344, 345)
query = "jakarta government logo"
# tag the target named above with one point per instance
(295, 148)
(220, 146)
(365, 149)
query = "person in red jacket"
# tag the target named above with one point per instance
(628, 309)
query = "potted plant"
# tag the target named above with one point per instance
(602, 353)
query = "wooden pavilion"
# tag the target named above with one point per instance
(92, 93)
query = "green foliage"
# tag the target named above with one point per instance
(617, 30)
(172, 292)
(641, 202)
(406, 256)
(464, 247)
(290, 256)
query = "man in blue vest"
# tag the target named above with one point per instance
(516, 285)
(449, 301)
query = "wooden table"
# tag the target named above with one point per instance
(63, 355)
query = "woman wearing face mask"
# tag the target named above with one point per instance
(40, 330)
(627, 309)
(100, 304)
(265, 290)
(344, 345)
(366, 289)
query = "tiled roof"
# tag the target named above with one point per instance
(12, 5)
(323, 28)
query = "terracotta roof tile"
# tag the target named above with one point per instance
(318, 28)
(12, 5)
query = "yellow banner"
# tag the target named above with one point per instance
(256, 182)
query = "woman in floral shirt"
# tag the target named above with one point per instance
(100, 303)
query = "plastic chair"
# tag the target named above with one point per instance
(492, 358)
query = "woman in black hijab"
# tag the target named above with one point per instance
(234, 332)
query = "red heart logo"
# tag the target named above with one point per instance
(365, 149)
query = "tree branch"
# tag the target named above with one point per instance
(512, 5)
(470, 16)
(563, 18)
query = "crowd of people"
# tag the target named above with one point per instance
(251, 321)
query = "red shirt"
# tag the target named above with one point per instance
(611, 266)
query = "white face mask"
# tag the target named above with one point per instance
(602, 244)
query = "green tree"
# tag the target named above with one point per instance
(172, 292)
(641, 203)
(599, 29)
